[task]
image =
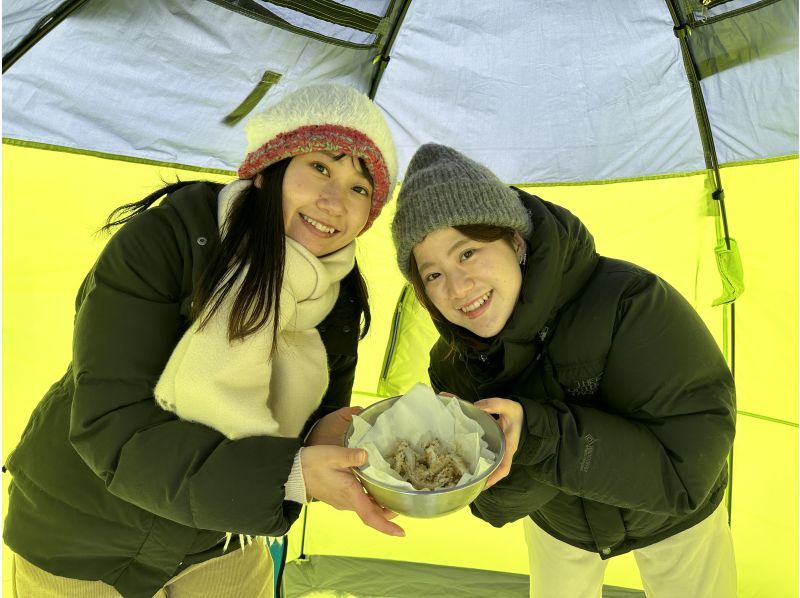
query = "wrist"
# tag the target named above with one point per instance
(295, 489)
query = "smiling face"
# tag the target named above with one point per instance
(326, 200)
(473, 284)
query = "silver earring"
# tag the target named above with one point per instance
(523, 258)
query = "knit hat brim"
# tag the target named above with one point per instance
(331, 118)
(320, 138)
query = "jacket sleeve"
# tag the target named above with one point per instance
(666, 420)
(516, 495)
(127, 323)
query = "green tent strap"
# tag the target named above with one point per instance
(729, 264)
(268, 79)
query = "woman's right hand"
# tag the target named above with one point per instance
(327, 475)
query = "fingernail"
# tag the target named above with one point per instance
(400, 534)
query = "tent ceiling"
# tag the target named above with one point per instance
(540, 91)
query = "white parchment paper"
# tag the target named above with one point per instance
(418, 417)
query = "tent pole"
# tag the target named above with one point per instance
(303, 554)
(682, 31)
(729, 499)
(383, 57)
(45, 25)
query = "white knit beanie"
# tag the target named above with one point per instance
(327, 117)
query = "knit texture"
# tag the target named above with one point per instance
(330, 118)
(443, 188)
(233, 386)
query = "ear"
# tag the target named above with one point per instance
(258, 179)
(520, 246)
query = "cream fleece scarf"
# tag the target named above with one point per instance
(233, 387)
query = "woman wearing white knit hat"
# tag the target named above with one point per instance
(213, 332)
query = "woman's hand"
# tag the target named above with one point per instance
(331, 428)
(327, 474)
(511, 419)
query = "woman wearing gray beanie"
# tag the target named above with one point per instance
(617, 406)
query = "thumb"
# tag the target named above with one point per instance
(488, 405)
(354, 457)
(348, 412)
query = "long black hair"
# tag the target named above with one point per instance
(253, 248)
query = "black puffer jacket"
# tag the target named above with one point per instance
(629, 405)
(107, 485)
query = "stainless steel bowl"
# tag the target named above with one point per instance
(432, 503)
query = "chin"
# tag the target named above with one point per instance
(482, 331)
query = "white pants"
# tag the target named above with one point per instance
(237, 574)
(696, 563)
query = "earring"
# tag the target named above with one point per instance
(523, 258)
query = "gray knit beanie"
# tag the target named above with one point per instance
(442, 188)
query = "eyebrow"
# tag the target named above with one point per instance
(356, 163)
(454, 247)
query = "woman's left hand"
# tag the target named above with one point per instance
(331, 428)
(511, 419)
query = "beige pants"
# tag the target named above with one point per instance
(696, 563)
(238, 574)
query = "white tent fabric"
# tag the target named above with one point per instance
(544, 94)
(154, 79)
(20, 19)
(541, 92)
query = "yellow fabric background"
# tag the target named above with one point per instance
(53, 204)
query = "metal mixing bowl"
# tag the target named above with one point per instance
(432, 503)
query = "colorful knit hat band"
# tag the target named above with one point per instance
(332, 138)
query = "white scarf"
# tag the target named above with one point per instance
(233, 387)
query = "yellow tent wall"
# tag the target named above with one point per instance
(54, 202)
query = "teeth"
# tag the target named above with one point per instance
(476, 304)
(318, 225)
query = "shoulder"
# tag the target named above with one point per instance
(616, 291)
(616, 281)
(156, 247)
(190, 208)
(626, 300)
(640, 290)
(195, 205)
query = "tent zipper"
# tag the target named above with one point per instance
(387, 359)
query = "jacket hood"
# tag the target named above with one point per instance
(561, 257)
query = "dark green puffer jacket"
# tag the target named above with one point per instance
(107, 485)
(629, 405)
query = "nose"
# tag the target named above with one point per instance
(331, 199)
(460, 283)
